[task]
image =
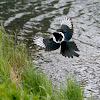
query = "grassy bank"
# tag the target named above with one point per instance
(20, 80)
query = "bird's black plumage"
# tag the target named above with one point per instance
(67, 32)
(68, 48)
(50, 44)
(58, 36)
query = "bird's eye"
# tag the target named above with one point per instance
(60, 39)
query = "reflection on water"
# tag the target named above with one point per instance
(32, 19)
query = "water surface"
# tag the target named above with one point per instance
(33, 19)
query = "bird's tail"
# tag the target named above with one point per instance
(68, 49)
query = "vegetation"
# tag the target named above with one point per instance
(20, 80)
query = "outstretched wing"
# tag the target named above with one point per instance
(66, 27)
(68, 49)
(50, 44)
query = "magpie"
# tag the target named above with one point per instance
(61, 39)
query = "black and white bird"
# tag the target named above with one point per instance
(61, 39)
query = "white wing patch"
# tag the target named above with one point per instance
(54, 39)
(62, 36)
(66, 21)
(39, 41)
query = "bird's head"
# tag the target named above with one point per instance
(58, 37)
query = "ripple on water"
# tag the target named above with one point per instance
(34, 19)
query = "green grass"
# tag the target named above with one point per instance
(73, 91)
(20, 80)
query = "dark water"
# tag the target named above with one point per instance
(33, 19)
